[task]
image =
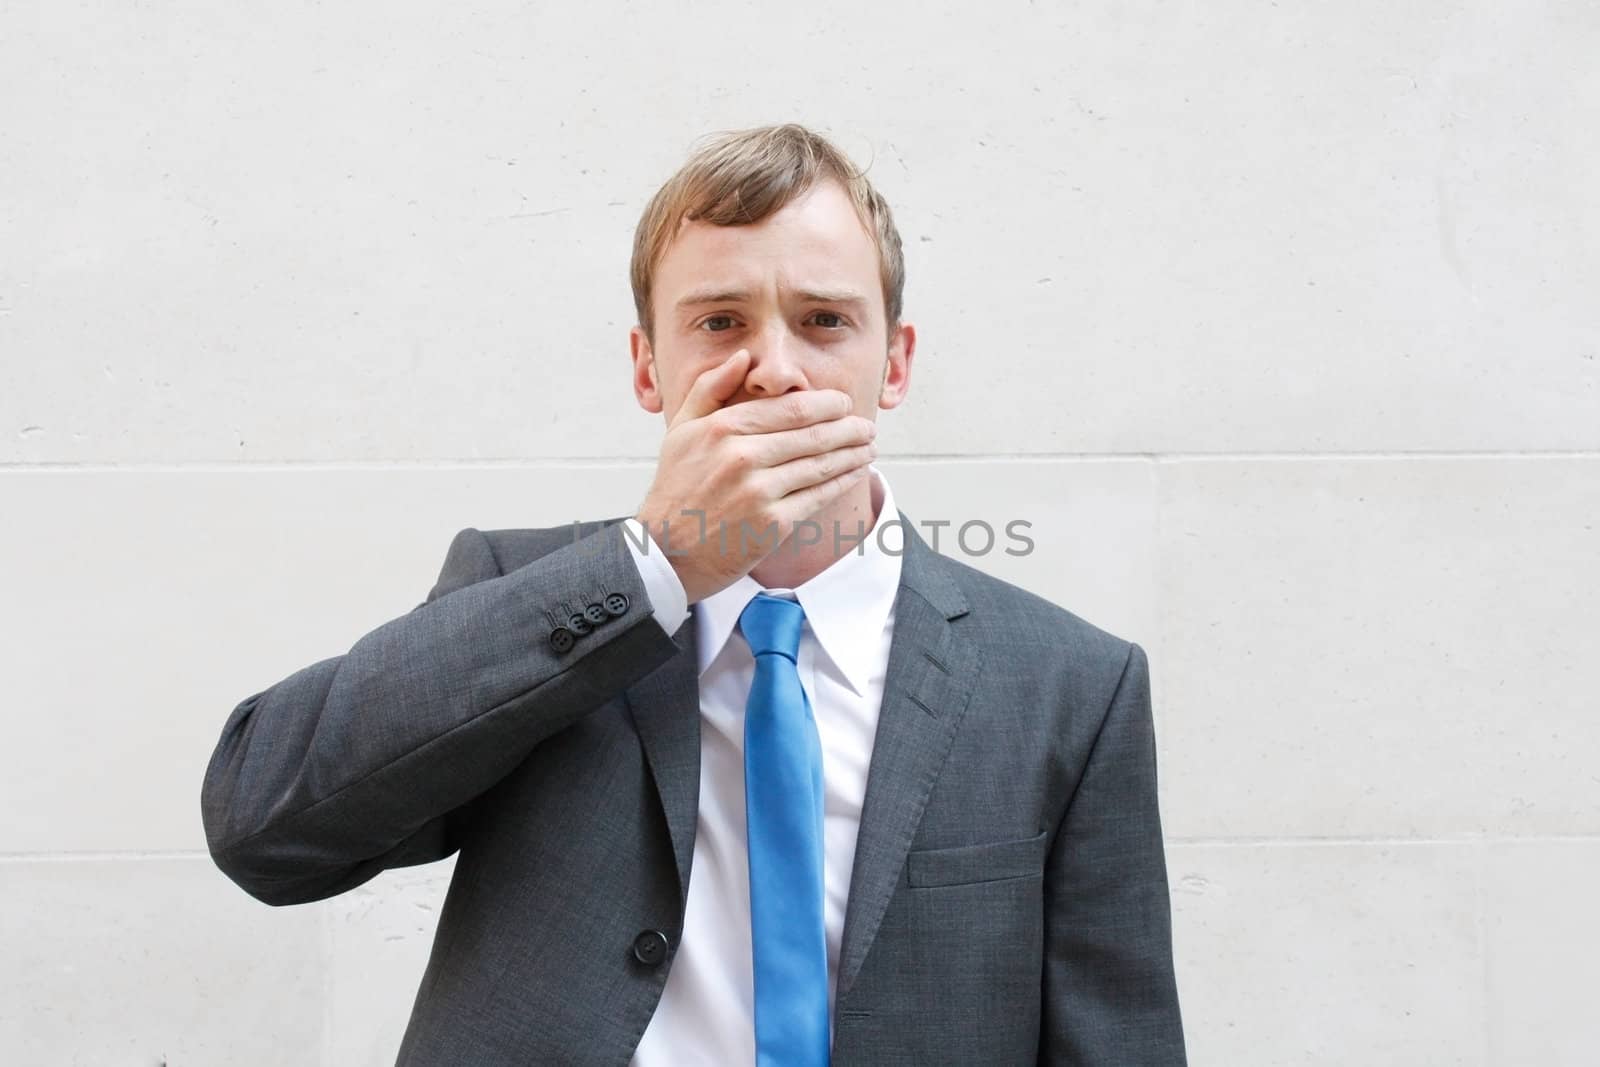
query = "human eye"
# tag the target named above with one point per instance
(833, 315)
(711, 319)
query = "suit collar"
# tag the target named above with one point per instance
(845, 605)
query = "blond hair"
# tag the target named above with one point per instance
(742, 176)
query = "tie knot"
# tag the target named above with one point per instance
(772, 624)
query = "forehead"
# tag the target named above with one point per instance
(817, 237)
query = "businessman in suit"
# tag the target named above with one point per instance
(752, 775)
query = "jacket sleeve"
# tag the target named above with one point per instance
(371, 759)
(1109, 990)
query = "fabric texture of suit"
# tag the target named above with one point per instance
(1009, 899)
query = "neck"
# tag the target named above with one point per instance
(822, 538)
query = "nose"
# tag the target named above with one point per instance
(775, 366)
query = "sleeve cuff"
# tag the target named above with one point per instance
(668, 598)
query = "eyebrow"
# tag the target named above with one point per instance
(697, 297)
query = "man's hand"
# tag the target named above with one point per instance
(754, 470)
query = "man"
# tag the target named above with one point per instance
(752, 775)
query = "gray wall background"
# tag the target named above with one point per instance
(1277, 321)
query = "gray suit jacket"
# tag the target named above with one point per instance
(1009, 901)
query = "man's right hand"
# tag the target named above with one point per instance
(766, 464)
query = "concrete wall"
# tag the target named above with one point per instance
(1278, 321)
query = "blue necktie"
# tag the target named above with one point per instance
(783, 824)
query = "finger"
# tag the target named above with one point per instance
(713, 387)
(813, 498)
(781, 446)
(797, 476)
(791, 411)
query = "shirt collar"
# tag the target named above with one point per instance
(846, 605)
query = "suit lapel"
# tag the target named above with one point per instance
(665, 705)
(926, 689)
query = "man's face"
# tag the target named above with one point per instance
(800, 290)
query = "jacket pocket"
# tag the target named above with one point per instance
(986, 862)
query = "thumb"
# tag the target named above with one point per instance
(713, 387)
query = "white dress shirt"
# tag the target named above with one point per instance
(707, 1010)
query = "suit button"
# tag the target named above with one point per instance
(596, 614)
(579, 625)
(616, 604)
(650, 948)
(561, 640)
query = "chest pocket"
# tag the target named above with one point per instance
(986, 862)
